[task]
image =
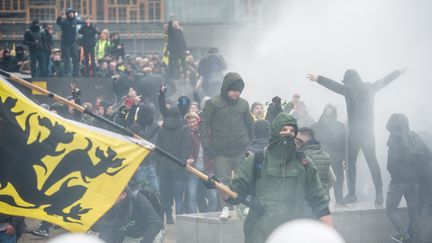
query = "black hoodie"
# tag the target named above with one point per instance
(175, 138)
(68, 27)
(359, 96)
(33, 37)
(408, 155)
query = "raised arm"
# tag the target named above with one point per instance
(162, 102)
(379, 84)
(328, 83)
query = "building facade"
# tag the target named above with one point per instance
(139, 22)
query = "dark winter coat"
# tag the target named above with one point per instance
(9, 64)
(176, 41)
(34, 39)
(408, 155)
(48, 41)
(69, 29)
(175, 138)
(320, 158)
(331, 134)
(210, 65)
(88, 36)
(359, 96)
(226, 126)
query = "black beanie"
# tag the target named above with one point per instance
(262, 129)
(237, 86)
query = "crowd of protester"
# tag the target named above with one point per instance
(149, 106)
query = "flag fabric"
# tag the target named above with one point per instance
(58, 170)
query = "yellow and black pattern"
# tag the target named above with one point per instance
(58, 170)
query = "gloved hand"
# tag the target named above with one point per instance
(210, 182)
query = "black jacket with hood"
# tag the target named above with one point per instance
(34, 37)
(175, 138)
(359, 96)
(68, 27)
(408, 156)
(226, 126)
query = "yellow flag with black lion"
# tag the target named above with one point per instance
(58, 170)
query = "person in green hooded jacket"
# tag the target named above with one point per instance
(285, 181)
(226, 128)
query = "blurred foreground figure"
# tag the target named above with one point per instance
(409, 163)
(300, 231)
(360, 99)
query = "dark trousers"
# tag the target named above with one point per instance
(89, 59)
(409, 191)
(47, 64)
(37, 64)
(173, 66)
(338, 169)
(363, 138)
(70, 51)
(171, 188)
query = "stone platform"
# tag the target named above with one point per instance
(357, 223)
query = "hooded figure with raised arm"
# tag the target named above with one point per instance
(360, 100)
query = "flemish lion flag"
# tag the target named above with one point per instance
(58, 170)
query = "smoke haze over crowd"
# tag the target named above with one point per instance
(328, 37)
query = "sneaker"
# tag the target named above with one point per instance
(41, 232)
(225, 214)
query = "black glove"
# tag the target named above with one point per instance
(210, 182)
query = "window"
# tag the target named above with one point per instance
(154, 10)
(133, 15)
(112, 2)
(142, 11)
(112, 14)
(123, 1)
(7, 5)
(42, 14)
(122, 13)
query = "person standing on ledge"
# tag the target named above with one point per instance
(360, 99)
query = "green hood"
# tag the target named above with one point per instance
(229, 79)
(282, 148)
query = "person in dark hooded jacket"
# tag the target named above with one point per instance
(175, 138)
(226, 127)
(88, 42)
(69, 48)
(331, 133)
(34, 38)
(409, 159)
(146, 127)
(360, 97)
(8, 62)
(274, 108)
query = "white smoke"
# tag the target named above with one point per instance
(328, 37)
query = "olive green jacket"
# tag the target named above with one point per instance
(226, 126)
(281, 188)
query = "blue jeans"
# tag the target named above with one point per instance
(147, 173)
(196, 189)
(5, 238)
